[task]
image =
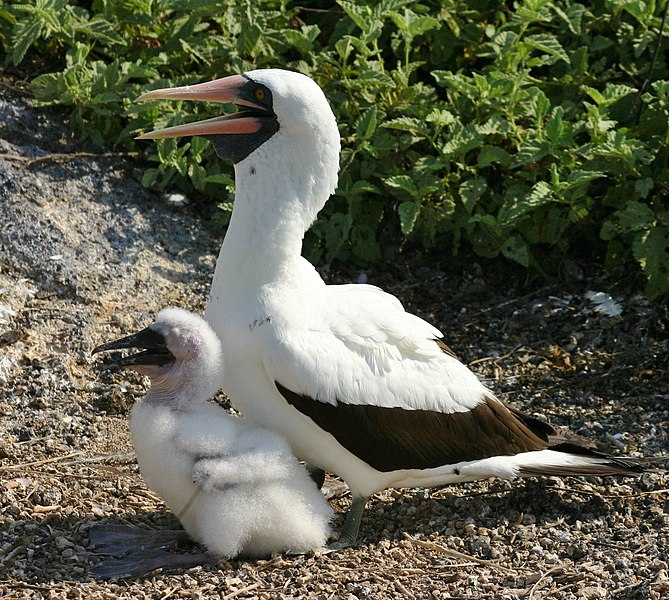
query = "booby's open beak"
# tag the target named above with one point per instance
(152, 343)
(235, 89)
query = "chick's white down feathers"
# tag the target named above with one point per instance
(235, 487)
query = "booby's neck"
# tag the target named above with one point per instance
(280, 189)
(166, 399)
(200, 387)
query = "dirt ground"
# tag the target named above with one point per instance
(88, 255)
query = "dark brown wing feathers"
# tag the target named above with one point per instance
(390, 439)
(396, 438)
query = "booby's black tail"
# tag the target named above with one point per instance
(578, 461)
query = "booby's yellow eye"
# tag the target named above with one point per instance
(259, 94)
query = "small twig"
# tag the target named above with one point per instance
(194, 495)
(495, 359)
(35, 440)
(13, 550)
(65, 157)
(169, 593)
(405, 592)
(21, 585)
(39, 509)
(37, 463)
(456, 554)
(543, 576)
(514, 300)
(64, 462)
(128, 456)
(248, 588)
(611, 496)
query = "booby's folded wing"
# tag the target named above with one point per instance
(365, 349)
(375, 377)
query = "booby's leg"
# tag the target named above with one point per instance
(349, 532)
(140, 563)
(121, 540)
(317, 475)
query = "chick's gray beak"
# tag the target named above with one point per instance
(151, 342)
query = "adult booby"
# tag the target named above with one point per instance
(360, 387)
(235, 487)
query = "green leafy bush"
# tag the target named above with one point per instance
(522, 129)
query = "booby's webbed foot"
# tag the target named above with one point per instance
(138, 563)
(349, 532)
(121, 540)
(132, 552)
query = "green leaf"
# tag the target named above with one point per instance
(25, 35)
(198, 175)
(518, 202)
(360, 15)
(402, 182)
(580, 178)
(487, 220)
(408, 213)
(149, 177)
(644, 186)
(443, 78)
(220, 179)
(336, 233)
(376, 77)
(471, 192)
(538, 105)
(463, 138)
(404, 124)
(493, 154)
(651, 250)
(412, 25)
(365, 246)
(100, 29)
(366, 124)
(362, 186)
(516, 249)
(639, 9)
(573, 15)
(595, 94)
(548, 43)
(635, 216)
(440, 117)
(555, 126)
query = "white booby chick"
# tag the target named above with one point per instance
(236, 488)
(360, 387)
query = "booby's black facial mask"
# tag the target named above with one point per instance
(236, 147)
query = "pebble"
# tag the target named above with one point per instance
(63, 542)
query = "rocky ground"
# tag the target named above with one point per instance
(87, 255)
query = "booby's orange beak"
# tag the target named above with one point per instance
(236, 89)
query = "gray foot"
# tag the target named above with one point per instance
(120, 540)
(138, 563)
(132, 552)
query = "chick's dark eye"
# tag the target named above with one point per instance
(259, 94)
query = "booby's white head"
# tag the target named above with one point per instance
(181, 355)
(285, 143)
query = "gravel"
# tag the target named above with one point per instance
(88, 255)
